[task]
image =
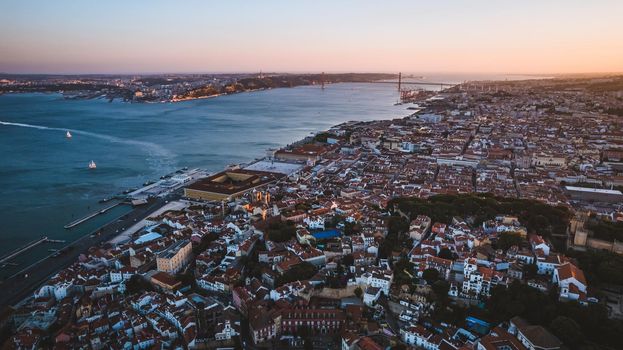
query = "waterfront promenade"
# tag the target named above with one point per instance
(127, 234)
(23, 284)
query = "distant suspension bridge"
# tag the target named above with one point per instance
(400, 83)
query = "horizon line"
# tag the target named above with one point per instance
(308, 72)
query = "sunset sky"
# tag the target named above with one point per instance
(308, 36)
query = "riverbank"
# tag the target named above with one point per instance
(22, 284)
(172, 87)
(185, 99)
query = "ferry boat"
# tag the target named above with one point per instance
(92, 165)
(68, 134)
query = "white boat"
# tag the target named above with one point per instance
(92, 165)
(68, 134)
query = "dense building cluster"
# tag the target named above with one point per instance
(314, 252)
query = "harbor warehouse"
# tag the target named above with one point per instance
(594, 194)
(302, 153)
(229, 184)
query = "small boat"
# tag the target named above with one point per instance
(68, 134)
(92, 165)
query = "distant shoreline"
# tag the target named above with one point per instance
(167, 88)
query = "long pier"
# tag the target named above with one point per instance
(22, 249)
(90, 216)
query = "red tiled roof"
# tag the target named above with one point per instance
(568, 270)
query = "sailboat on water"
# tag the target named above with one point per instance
(68, 134)
(92, 165)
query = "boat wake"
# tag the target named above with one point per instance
(159, 154)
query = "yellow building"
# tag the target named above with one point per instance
(175, 258)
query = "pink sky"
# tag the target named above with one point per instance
(410, 36)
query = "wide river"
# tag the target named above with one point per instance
(45, 182)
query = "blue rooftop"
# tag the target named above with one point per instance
(147, 237)
(477, 325)
(327, 234)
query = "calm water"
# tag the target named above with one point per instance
(44, 179)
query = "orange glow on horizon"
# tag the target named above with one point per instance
(449, 36)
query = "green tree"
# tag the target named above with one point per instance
(600, 267)
(281, 231)
(358, 292)
(205, 242)
(340, 268)
(530, 270)
(536, 216)
(508, 239)
(300, 272)
(322, 137)
(430, 275)
(567, 330)
(396, 226)
(446, 253)
(187, 278)
(348, 260)
(336, 219)
(441, 288)
(351, 228)
(137, 284)
(403, 272)
(541, 308)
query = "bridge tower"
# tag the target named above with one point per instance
(399, 80)
(322, 81)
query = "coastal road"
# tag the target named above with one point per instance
(18, 287)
